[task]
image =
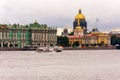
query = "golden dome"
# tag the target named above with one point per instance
(79, 15)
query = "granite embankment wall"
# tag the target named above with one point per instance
(92, 48)
(10, 49)
(65, 48)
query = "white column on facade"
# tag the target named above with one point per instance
(21, 43)
(8, 44)
(2, 44)
(14, 44)
(0, 35)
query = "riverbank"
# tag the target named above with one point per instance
(16, 49)
(92, 48)
(65, 48)
(10, 49)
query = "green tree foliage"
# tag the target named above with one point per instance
(76, 44)
(62, 41)
(115, 40)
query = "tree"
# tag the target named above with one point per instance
(62, 41)
(115, 40)
(76, 44)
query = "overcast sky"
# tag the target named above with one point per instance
(61, 13)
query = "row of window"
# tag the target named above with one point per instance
(13, 36)
(24, 36)
(43, 36)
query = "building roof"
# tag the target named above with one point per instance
(3, 26)
(95, 30)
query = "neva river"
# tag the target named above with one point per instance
(66, 65)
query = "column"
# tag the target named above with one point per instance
(2, 44)
(8, 45)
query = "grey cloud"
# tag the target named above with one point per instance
(61, 12)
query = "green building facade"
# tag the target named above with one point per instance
(33, 34)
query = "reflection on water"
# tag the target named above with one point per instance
(66, 65)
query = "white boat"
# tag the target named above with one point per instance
(49, 49)
(58, 48)
(45, 49)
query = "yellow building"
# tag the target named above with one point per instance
(81, 35)
(101, 37)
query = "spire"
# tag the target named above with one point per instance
(79, 11)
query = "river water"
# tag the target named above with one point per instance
(66, 65)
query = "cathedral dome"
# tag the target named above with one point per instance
(79, 15)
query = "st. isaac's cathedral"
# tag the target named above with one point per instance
(85, 38)
(80, 19)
